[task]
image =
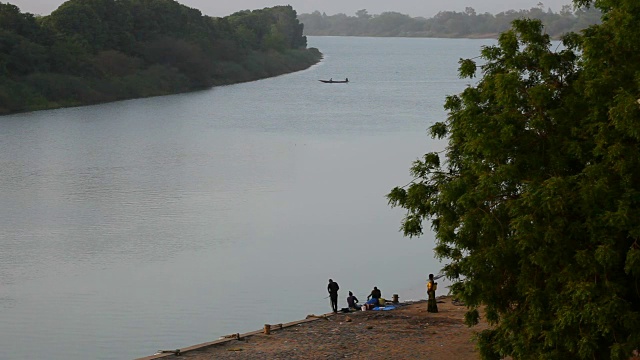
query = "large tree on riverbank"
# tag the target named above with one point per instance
(535, 202)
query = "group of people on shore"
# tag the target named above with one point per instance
(375, 298)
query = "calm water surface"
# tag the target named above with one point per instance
(160, 223)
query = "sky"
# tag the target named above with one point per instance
(426, 8)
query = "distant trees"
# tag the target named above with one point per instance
(91, 51)
(445, 23)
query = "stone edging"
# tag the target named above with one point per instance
(230, 338)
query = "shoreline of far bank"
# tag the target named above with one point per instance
(408, 331)
(471, 36)
(272, 64)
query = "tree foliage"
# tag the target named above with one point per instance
(535, 202)
(90, 51)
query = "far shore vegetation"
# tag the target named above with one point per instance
(94, 51)
(447, 24)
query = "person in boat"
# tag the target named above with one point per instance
(331, 80)
(346, 79)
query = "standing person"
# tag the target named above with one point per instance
(352, 301)
(333, 294)
(432, 306)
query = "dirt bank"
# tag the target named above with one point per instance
(408, 332)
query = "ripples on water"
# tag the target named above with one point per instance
(165, 222)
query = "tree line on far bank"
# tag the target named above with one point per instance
(447, 24)
(92, 51)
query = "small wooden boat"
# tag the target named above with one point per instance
(331, 81)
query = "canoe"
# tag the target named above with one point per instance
(335, 81)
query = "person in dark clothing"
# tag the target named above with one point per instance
(375, 293)
(333, 294)
(352, 301)
(432, 305)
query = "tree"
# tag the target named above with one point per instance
(363, 14)
(536, 202)
(470, 11)
(11, 19)
(90, 51)
(274, 40)
(566, 10)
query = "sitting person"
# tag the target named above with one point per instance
(375, 295)
(371, 304)
(352, 301)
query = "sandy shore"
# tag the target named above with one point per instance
(408, 332)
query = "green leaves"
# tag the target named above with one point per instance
(632, 262)
(536, 202)
(110, 50)
(438, 130)
(467, 68)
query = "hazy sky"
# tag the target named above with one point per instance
(426, 8)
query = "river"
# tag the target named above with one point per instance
(164, 222)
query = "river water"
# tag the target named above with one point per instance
(164, 222)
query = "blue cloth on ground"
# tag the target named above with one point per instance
(384, 308)
(372, 301)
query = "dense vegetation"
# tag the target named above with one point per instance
(445, 24)
(535, 202)
(91, 51)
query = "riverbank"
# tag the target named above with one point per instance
(90, 91)
(408, 332)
